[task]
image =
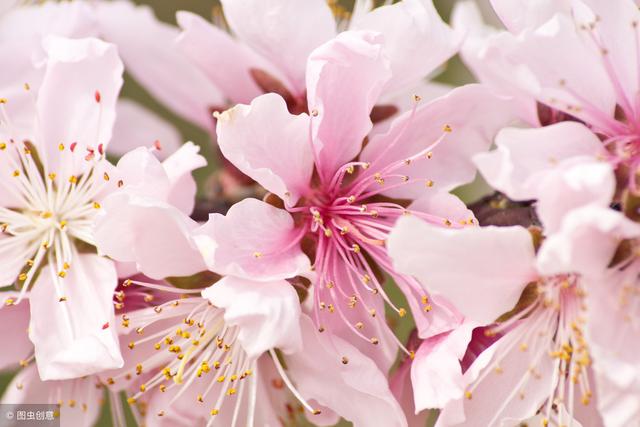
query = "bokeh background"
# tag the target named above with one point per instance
(454, 73)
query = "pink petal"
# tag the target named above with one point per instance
(79, 344)
(345, 77)
(400, 385)
(223, 60)
(482, 271)
(485, 52)
(255, 241)
(523, 156)
(137, 126)
(85, 393)
(518, 15)
(563, 72)
(618, 391)
(14, 323)
(576, 183)
(14, 254)
(147, 47)
(571, 249)
(613, 312)
(284, 31)
(268, 144)
(178, 167)
(416, 39)
(357, 391)
(153, 234)
(68, 107)
(436, 373)
(266, 313)
(618, 37)
(445, 205)
(496, 398)
(474, 115)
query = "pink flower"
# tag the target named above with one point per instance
(540, 308)
(204, 358)
(54, 175)
(569, 61)
(268, 50)
(334, 193)
(22, 30)
(146, 222)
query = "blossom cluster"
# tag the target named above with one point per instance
(327, 270)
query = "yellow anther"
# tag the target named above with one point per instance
(61, 147)
(52, 176)
(429, 183)
(106, 176)
(351, 199)
(22, 277)
(131, 400)
(374, 341)
(66, 266)
(9, 301)
(132, 345)
(350, 169)
(402, 312)
(62, 274)
(257, 254)
(63, 224)
(429, 154)
(447, 128)
(96, 205)
(163, 388)
(199, 398)
(143, 388)
(73, 179)
(468, 395)
(356, 248)
(16, 173)
(214, 412)
(3, 145)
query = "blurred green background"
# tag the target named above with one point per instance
(454, 73)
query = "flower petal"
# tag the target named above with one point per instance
(464, 121)
(523, 156)
(226, 62)
(77, 110)
(345, 78)
(82, 398)
(496, 398)
(147, 47)
(255, 241)
(284, 31)
(268, 144)
(482, 271)
(266, 313)
(80, 343)
(518, 15)
(570, 250)
(154, 234)
(575, 184)
(436, 374)
(14, 323)
(416, 39)
(178, 167)
(357, 391)
(137, 126)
